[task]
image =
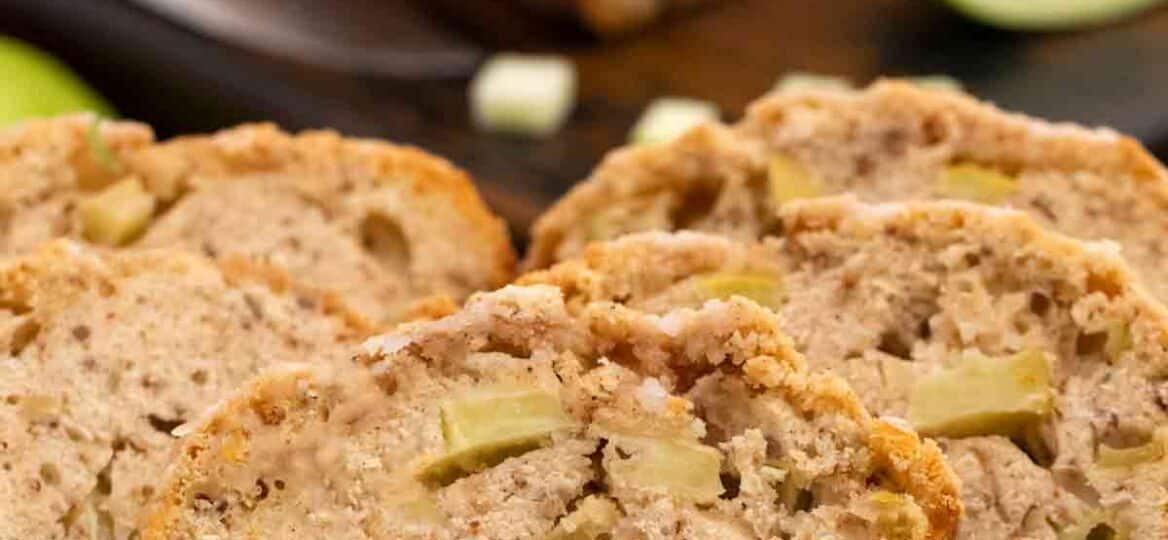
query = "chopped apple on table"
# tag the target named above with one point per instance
(669, 117)
(530, 95)
(797, 81)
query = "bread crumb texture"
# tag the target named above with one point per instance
(1036, 360)
(893, 141)
(106, 355)
(522, 417)
(379, 225)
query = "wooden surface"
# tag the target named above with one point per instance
(181, 81)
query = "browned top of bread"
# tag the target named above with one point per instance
(891, 141)
(380, 225)
(890, 295)
(344, 453)
(107, 353)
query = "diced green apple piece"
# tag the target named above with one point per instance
(490, 424)
(973, 182)
(982, 396)
(765, 289)
(668, 118)
(684, 469)
(530, 95)
(805, 81)
(117, 214)
(788, 180)
(593, 518)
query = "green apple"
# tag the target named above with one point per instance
(36, 85)
(1049, 14)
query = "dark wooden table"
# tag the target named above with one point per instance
(180, 81)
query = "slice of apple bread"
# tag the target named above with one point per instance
(1036, 360)
(519, 418)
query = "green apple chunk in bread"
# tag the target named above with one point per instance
(117, 214)
(487, 425)
(1038, 361)
(983, 396)
(521, 417)
(378, 227)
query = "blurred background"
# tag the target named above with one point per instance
(399, 69)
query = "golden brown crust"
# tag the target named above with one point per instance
(733, 337)
(1080, 270)
(457, 245)
(986, 133)
(265, 149)
(279, 388)
(885, 143)
(921, 467)
(928, 266)
(632, 267)
(914, 464)
(706, 154)
(61, 146)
